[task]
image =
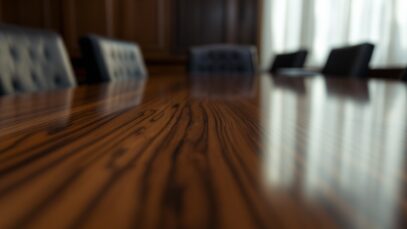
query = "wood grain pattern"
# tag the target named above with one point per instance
(215, 152)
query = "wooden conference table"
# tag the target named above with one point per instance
(206, 152)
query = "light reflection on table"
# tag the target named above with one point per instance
(223, 87)
(117, 100)
(352, 146)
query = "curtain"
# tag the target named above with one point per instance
(320, 25)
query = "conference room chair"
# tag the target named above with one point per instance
(32, 60)
(222, 59)
(404, 76)
(289, 60)
(349, 61)
(110, 60)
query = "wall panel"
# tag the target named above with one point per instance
(81, 17)
(145, 22)
(164, 29)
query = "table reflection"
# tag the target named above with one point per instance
(345, 148)
(296, 85)
(35, 109)
(119, 95)
(223, 87)
(348, 89)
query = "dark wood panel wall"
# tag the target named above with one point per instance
(165, 29)
(215, 21)
(34, 13)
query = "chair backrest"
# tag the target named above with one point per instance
(32, 60)
(111, 60)
(222, 59)
(289, 60)
(404, 76)
(349, 61)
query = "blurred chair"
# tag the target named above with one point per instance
(349, 61)
(404, 76)
(222, 59)
(289, 60)
(32, 60)
(111, 60)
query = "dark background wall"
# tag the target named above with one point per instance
(165, 29)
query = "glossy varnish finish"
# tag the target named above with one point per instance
(182, 151)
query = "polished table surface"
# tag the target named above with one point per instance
(206, 152)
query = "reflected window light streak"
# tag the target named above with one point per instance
(265, 100)
(275, 173)
(354, 147)
(281, 142)
(345, 174)
(362, 185)
(317, 101)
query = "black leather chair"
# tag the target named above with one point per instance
(32, 60)
(404, 76)
(222, 59)
(349, 61)
(289, 60)
(111, 60)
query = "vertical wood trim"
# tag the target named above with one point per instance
(1, 11)
(231, 9)
(170, 25)
(109, 8)
(69, 21)
(47, 17)
(260, 31)
(129, 7)
(162, 15)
